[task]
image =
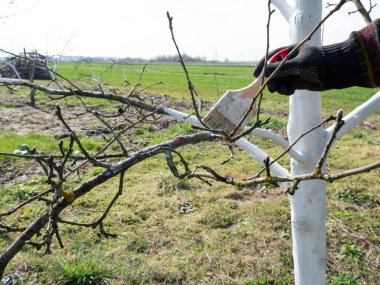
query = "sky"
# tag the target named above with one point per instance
(215, 29)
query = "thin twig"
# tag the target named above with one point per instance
(338, 125)
(26, 202)
(9, 229)
(294, 143)
(77, 140)
(197, 109)
(99, 221)
(138, 81)
(115, 135)
(270, 13)
(255, 125)
(231, 149)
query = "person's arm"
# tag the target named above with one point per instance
(354, 62)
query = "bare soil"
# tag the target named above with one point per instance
(18, 116)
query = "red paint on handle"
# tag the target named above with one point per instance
(279, 56)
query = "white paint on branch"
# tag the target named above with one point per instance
(284, 8)
(256, 153)
(263, 133)
(358, 115)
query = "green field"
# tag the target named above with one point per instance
(210, 82)
(172, 231)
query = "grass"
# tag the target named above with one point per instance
(172, 77)
(82, 270)
(172, 231)
(11, 142)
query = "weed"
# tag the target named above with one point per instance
(96, 171)
(82, 270)
(234, 195)
(144, 129)
(283, 234)
(24, 143)
(25, 149)
(19, 192)
(345, 215)
(143, 214)
(11, 279)
(344, 279)
(286, 258)
(180, 129)
(130, 219)
(352, 252)
(91, 144)
(353, 196)
(186, 207)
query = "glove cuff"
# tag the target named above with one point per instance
(342, 64)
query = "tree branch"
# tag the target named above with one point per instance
(363, 11)
(86, 187)
(193, 92)
(256, 153)
(358, 115)
(284, 8)
(338, 125)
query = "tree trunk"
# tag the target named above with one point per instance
(308, 205)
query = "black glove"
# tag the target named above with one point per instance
(304, 70)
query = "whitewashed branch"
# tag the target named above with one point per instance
(358, 115)
(256, 153)
(263, 133)
(268, 134)
(284, 8)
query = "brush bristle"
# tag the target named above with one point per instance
(228, 111)
(217, 121)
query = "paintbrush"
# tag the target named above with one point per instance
(230, 109)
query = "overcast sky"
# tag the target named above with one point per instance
(216, 29)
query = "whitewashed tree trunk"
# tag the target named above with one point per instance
(308, 205)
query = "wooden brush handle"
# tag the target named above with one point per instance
(252, 89)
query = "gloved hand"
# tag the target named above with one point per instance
(304, 70)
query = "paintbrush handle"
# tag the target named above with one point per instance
(252, 89)
(232, 107)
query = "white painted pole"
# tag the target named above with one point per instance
(308, 205)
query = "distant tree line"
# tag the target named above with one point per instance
(186, 58)
(159, 58)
